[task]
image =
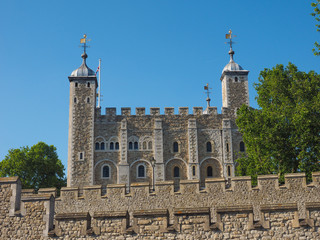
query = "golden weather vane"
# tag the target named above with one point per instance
(230, 36)
(84, 41)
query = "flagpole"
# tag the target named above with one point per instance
(99, 99)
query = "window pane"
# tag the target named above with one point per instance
(111, 146)
(209, 171)
(102, 146)
(130, 145)
(105, 172)
(135, 145)
(141, 171)
(175, 147)
(176, 172)
(117, 146)
(144, 145)
(150, 145)
(209, 147)
(97, 146)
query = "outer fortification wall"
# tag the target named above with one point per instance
(220, 210)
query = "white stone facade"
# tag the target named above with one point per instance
(193, 146)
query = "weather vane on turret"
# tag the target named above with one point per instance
(230, 36)
(208, 93)
(84, 41)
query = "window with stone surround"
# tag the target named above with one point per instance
(209, 147)
(141, 171)
(117, 146)
(105, 171)
(88, 100)
(76, 84)
(88, 84)
(81, 156)
(209, 171)
(97, 146)
(175, 147)
(102, 146)
(130, 145)
(111, 146)
(229, 171)
(135, 146)
(176, 172)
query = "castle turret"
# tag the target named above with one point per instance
(83, 85)
(234, 80)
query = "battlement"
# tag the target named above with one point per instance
(219, 209)
(155, 111)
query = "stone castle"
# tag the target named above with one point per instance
(126, 148)
(159, 176)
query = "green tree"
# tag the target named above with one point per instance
(316, 14)
(37, 167)
(283, 136)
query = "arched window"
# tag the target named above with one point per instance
(102, 146)
(150, 145)
(176, 172)
(111, 146)
(117, 145)
(209, 147)
(130, 146)
(141, 171)
(97, 146)
(209, 171)
(105, 171)
(227, 147)
(242, 148)
(144, 145)
(175, 147)
(88, 84)
(229, 171)
(88, 100)
(193, 170)
(136, 146)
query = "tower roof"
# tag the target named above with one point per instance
(232, 65)
(83, 70)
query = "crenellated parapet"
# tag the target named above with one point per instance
(155, 111)
(219, 209)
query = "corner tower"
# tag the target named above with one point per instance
(83, 85)
(234, 79)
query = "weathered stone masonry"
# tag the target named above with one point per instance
(268, 211)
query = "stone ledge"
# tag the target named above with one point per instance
(313, 205)
(187, 211)
(115, 214)
(236, 208)
(280, 206)
(36, 197)
(4, 180)
(76, 216)
(152, 212)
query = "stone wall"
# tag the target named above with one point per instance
(217, 211)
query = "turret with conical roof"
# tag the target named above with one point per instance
(83, 85)
(234, 81)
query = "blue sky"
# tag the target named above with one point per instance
(154, 54)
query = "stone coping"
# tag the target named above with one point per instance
(267, 177)
(140, 184)
(108, 214)
(150, 212)
(209, 180)
(280, 206)
(116, 186)
(164, 183)
(294, 175)
(187, 211)
(235, 208)
(189, 181)
(28, 191)
(77, 216)
(9, 179)
(243, 178)
(313, 205)
(98, 187)
(36, 197)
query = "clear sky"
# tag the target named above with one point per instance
(155, 53)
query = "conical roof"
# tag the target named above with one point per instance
(83, 70)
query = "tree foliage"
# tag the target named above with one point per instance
(316, 14)
(37, 167)
(283, 136)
